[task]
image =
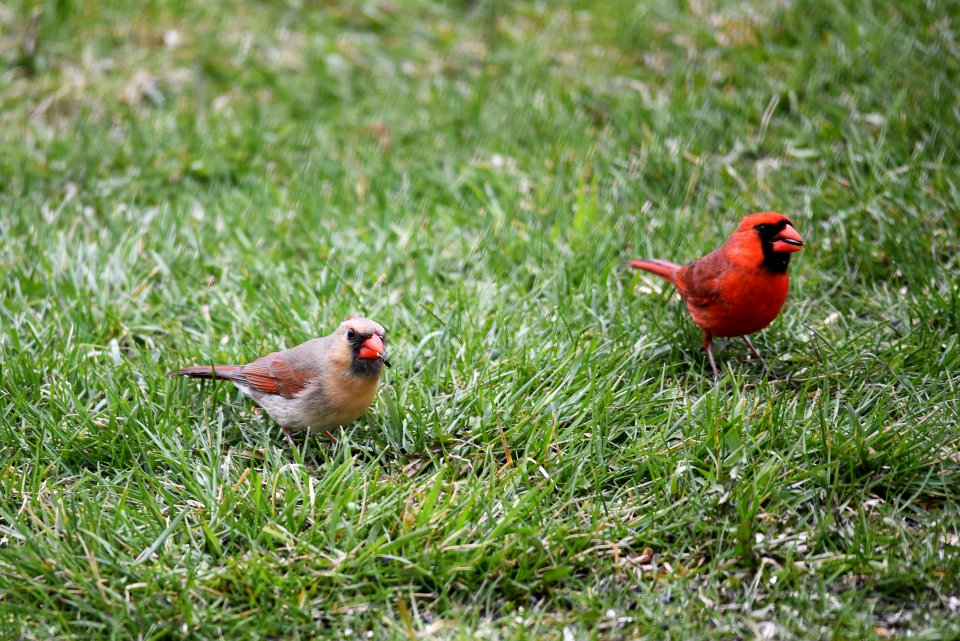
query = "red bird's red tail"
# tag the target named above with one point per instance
(662, 268)
(206, 371)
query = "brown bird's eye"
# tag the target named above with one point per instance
(351, 334)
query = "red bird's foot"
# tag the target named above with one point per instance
(713, 363)
(755, 353)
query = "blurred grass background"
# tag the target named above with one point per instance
(208, 181)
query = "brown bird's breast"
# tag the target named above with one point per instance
(357, 396)
(340, 400)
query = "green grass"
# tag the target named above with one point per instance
(193, 181)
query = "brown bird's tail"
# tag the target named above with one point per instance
(662, 268)
(225, 372)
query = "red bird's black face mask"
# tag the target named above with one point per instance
(778, 241)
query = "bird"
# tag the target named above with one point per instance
(740, 288)
(317, 386)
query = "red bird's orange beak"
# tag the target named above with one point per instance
(788, 240)
(372, 348)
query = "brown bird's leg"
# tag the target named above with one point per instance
(329, 435)
(289, 436)
(708, 345)
(755, 352)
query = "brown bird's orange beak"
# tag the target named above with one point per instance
(372, 348)
(788, 240)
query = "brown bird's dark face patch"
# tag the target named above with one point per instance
(367, 350)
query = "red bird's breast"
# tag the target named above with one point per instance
(748, 305)
(726, 299)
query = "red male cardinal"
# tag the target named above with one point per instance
(318, 385)
(739, 288)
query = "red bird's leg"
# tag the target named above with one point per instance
(755, 352)
(708, 345)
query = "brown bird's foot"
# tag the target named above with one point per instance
(289, 436)
(755, 353)
(333, 439)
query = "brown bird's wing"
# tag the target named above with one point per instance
(700, 282)
(273, 375)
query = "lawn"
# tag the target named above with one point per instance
(185, 182)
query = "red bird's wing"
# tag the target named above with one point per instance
(700, 282)
(273, 375)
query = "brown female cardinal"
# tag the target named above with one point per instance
(318, 385)
(739, 288)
